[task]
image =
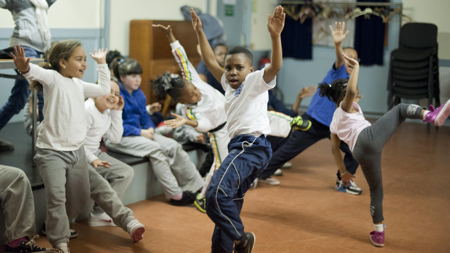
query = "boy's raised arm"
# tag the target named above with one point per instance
(339, 33)
(275, 26)
(206, 50)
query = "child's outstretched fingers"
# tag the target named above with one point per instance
(99, 55)
(196, 21)
(163, 27)
(275, 23)
(20, 60)
(338, 32)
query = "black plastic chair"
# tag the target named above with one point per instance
(414, 66)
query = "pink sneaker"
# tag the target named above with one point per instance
(377, 238)
(438, 116)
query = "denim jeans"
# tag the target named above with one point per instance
(298, 141)
(19, 94)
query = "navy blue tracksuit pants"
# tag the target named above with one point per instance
(298, 141)
(248, 157)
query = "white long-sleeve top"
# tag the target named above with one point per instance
(210, 110)
(107, 124)
(64, 126)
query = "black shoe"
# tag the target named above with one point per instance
(29, 246)
(6, 146)
(246, 246)
(299, 124)
(187, 199)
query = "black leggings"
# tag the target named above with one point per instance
(368, 148)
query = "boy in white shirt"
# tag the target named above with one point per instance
(246, 94)
(104, 120)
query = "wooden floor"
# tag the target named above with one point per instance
(306, 214)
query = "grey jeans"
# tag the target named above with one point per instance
(369, 146)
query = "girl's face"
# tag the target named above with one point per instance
(191, 94)
(131, 82)
(75, 66)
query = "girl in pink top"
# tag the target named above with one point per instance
(366, 141)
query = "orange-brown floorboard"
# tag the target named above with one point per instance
(306, 214)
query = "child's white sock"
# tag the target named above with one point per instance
(63, 247)
(379, 227)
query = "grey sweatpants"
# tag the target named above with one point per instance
(119, 175)
(171, 164)
(368, 148)
(16, 202)
(66, 180)
(108, 199)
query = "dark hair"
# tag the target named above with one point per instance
(115, 67)
(129, 67)
(61, 50)
(111, 56)
(242, 50)
(169, 84)
(219, 44)
(334, 91)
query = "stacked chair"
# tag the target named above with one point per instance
(414, 66)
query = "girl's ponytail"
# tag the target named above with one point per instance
(168, 84)
(334, 91)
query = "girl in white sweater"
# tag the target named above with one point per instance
(60, 154)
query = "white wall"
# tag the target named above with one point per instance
(436, 12)
(143, 9)
(66, 14)
(261, 9)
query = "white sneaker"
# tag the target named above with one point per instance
(100, 220)
(287, 165)
(278, 172)
(270, 181)
(63, 247)
(136, 230)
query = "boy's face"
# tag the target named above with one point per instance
(109, 101)
(220, 52)
(76, 65)
(237, 67)
(191, 95)
(131, 82)
(352, 54)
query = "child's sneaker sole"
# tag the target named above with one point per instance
(137, 234)
(443, 114)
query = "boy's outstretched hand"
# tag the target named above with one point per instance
(196, 22)
(276, 22)
(20, 60)
(338, 32)
(99, 55)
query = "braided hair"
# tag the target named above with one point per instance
(169, 84)
(334, 91)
